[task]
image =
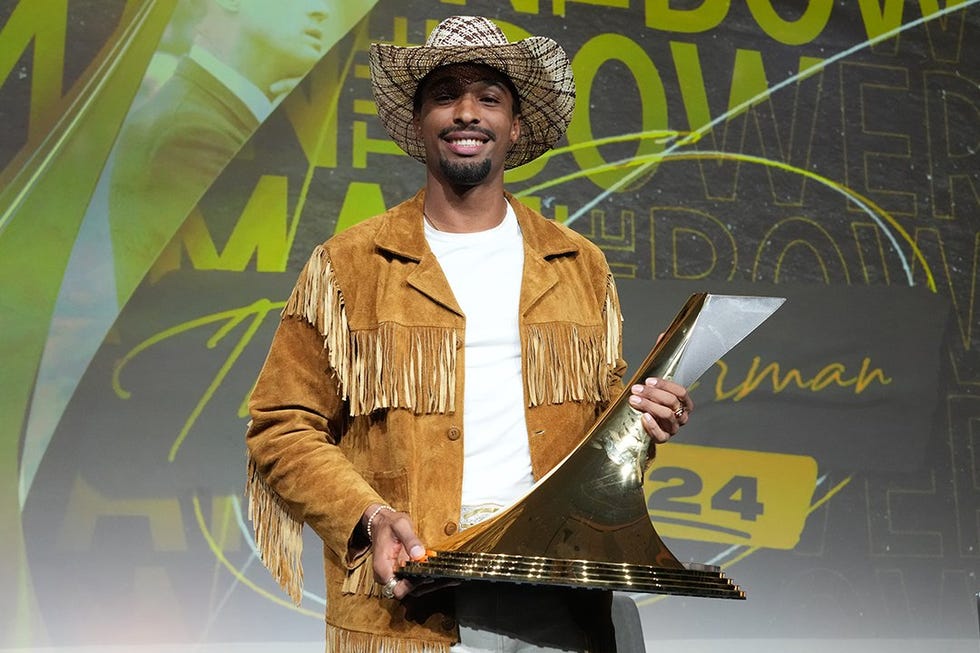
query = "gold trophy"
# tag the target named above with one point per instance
(585, 523)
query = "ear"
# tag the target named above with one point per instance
(515, 129)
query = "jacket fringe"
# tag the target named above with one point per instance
(340, 640)
(565, 362)
(278, 537)
(570, 362)
(391, 366)
(360, 579)
(614, 324)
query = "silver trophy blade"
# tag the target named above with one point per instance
(723, 322)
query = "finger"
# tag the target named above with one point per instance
(404, 588)
(683, 397)
(668, 393)
(660, 431)
(662, 406)
(658, 392)
(660, 421)
(385, 562)
(404, 532)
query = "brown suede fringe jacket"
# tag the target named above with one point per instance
(360, 402)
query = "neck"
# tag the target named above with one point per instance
(464, 210)
(259, 70)
(255, 66)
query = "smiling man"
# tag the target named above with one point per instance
(435, 361)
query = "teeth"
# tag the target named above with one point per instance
(467, 142)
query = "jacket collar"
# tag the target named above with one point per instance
(402, 234)
(402, 231)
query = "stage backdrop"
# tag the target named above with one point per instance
(166, 166)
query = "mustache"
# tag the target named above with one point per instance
(471, 128)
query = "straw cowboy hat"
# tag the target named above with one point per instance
(537, 66)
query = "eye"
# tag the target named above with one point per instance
(441, 93)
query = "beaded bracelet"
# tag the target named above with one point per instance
(370, 521)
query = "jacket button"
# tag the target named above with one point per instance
(450, 528)
(453, 433)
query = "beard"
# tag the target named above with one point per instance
(465, 174)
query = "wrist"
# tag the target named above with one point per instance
(370, 518)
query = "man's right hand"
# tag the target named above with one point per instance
(393, 543)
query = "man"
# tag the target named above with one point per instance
(434, 361)
(246, 55)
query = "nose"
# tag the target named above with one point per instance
(467, 109)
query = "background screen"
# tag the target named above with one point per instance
(167, 166)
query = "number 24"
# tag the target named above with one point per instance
(740, 494)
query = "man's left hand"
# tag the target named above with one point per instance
(665, 407)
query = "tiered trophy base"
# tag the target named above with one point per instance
(698, 580)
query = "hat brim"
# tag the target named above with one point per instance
(537, 66)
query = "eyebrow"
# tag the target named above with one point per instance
(456, 82)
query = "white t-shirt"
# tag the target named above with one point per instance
(484, 270)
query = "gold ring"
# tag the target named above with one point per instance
(679, 412)
(388, 590)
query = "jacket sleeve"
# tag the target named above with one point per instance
(297, 472)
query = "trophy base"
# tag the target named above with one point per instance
(697, 580)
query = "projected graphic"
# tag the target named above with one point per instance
(166, 167)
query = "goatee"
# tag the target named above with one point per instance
(465, 174)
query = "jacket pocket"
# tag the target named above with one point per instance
(392, 485)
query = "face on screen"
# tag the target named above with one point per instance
(289, 32)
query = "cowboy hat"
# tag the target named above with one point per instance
(537, 66)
